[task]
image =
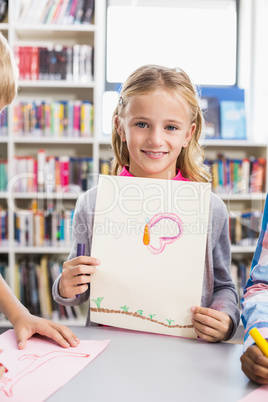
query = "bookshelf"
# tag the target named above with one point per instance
(49, 36)
(239, 202)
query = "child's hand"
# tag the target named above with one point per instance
(255, 365)
(3, 369)
(211, 325)
(27, 325)
(76, 272)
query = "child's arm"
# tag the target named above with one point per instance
(65, 287)
(25, 324)
(255, 308)
(219, 316)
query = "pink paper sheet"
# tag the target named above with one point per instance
(42, 367)
(259, 395)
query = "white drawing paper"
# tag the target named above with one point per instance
(150, 236)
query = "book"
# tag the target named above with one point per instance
(211, 111)
(41, 161)
(79, 12)
(233, 123)
(44, 288)
(88, 11)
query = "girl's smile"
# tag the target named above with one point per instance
(155, 126)
(154, 155)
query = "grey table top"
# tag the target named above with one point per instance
(138, 366)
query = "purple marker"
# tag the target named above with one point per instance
(80, 251)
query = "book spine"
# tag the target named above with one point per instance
(64, 170)
(41, 160)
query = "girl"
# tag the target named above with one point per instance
(25, 324)
(156, 129)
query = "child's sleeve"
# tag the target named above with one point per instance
(82, 228)
(255, 300)
(225, 296)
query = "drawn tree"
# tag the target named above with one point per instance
(124, 308)
(169, 321)
(98, 301)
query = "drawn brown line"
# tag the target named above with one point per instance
(105, 310)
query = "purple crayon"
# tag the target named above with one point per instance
(80, 251)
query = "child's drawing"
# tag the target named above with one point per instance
(40, 369)
(163, 240)
(151, 273)
(35, 362)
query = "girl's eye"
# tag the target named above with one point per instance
(142, 125)
(171, 128)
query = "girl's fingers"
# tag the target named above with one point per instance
(205, 311)
(205, 330)
(84, 260)
(80, 289)
(83, 270)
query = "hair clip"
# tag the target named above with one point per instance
(120, 100)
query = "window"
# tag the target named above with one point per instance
(199, 36)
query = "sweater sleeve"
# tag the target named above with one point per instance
(255, 300)
(82, 229)
(225, 296)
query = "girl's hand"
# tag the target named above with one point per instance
(211, 325)
(27, 325)
(255, 365)
(3, 369)
(76, 275)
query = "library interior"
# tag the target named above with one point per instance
(55, 137)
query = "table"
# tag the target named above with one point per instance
(145, 367)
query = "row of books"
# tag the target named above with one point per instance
(3, 174)
(40, 228)
(239, 175)
(70, 63)
(57, 12)
(245, 227)
(52, 174)
(52, 227)
(53, 119)
(240, 271)
(223, 119)
(33, 287)
(4, 123)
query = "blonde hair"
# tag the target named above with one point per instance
(8, 73)
(150, 78)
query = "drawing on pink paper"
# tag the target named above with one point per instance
(163, 240)
(43, 367)
(36, 361)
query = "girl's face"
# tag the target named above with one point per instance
(155, 127)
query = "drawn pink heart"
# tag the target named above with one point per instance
(163, 240)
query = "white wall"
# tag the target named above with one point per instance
(253, 66)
